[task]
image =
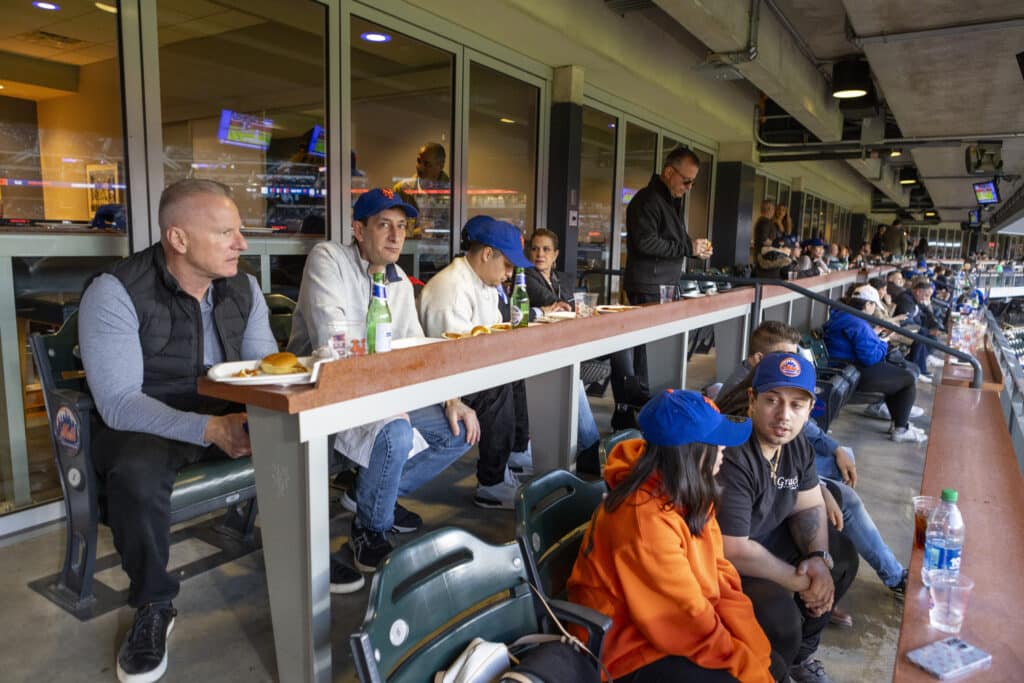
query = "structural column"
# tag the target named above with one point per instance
(734, 212)
(564, 154)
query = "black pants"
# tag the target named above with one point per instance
(792, 631)
(629, 366)
(138, 472)
(675, 669)
(504, 427)
(896, 382)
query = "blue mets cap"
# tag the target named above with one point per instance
(378, 199)
(778, 370)
(676, 417)
(500, 235)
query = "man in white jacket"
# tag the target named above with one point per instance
(398, 454)
(465, 295)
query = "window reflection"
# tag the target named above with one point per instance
(502, 147)
(61, 138)
(641, 150)
(597, 188)
(401, 134)
(254, 120)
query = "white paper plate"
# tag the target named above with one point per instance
(614, 308)
(561, 315)
(410, 342)
(224, 372)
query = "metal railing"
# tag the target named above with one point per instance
(759, 283)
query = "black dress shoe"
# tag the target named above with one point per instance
(624, 417)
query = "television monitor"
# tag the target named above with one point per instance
(974, 218)
(244, 130)
(317, 142)
(986, 192)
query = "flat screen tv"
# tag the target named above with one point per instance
(244, 130)
(974, 218)
(317, 142)
(986, 192)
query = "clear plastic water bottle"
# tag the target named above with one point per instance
(944, 539)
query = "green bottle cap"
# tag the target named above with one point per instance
(949, 495)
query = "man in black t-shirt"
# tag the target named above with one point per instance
(773, 520)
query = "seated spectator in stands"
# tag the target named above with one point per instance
(773, 261)
(833, 260)
(863, 257)
(773, 518)
(652, 558)
(813, 262)
(336, 286)
(465, 295)
(544, 285)
(894, 284)
(851, 339)
(878, 241)
(844, 255)
(914, 303)
(148, 328)
(547, 294)
(834, 464)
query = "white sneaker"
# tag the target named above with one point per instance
(498, 496)
(349, 503)
(926, 378)
(935, 362)
(879, 411)
(521, 462)
(909, 434)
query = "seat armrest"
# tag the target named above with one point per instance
(596, 623)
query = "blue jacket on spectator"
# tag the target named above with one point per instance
(851, 339)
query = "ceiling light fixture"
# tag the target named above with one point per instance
(104, 7)
(908, 176)
(505, 119)
(375, 37)
(850, 78)
(895, 153)
(48, 6)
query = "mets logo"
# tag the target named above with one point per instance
(66, 431)
(711, 403)
(790, 367)
(387, 192)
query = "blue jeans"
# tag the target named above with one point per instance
(392, 473)
(860, 529)
(586, 428)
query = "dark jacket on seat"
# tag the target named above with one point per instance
(656, 239)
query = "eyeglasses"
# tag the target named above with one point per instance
(688, 182)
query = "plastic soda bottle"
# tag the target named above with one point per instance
(378, 318)
(520, 303)
(944, 538)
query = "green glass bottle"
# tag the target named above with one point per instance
(378, 318)
(520, 303)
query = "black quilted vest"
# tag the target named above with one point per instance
(171, 327)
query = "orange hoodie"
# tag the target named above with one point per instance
(667, 591)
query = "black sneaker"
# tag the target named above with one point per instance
(406, 521)
(624, 417)
(900, 589)
(369, 548)
(344, 579)
(809, 671)
(143, 654)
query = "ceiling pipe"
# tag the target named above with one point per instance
(741, 56)
(938, 32)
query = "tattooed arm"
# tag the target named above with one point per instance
(808, 525)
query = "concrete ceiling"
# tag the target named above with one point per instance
(957, 83)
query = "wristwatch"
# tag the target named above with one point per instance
(824, 555)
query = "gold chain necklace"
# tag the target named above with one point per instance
(773, 464)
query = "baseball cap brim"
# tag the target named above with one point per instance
(730, 431)
(518, 259)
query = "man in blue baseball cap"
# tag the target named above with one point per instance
(460, 298)
(813, 261)
(336, 285)
(773, 518)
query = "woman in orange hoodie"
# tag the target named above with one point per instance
(653, 561)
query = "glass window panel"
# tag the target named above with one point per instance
(784, 195)
(254, 120)
(402, 123)
(597, 192)
(641, 159)
(698, 199)
(61, 135)
(502, 147)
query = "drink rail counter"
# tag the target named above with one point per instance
(289, 427)
(969, 449)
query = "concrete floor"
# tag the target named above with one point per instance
(223, 632)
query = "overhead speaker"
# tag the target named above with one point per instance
(984, 158)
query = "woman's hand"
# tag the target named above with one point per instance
(557, 306)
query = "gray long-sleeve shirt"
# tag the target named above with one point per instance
(108, 336)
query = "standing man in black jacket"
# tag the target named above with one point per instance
(657, 248)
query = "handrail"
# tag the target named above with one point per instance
(976, 382)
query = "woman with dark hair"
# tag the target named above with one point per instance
(653, 560)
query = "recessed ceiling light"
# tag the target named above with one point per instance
(104, 7)
(850, 78)
(375, 37)
(611, 125)
(908, 176)
(895, 153)
(504, 119)
(48, 6)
